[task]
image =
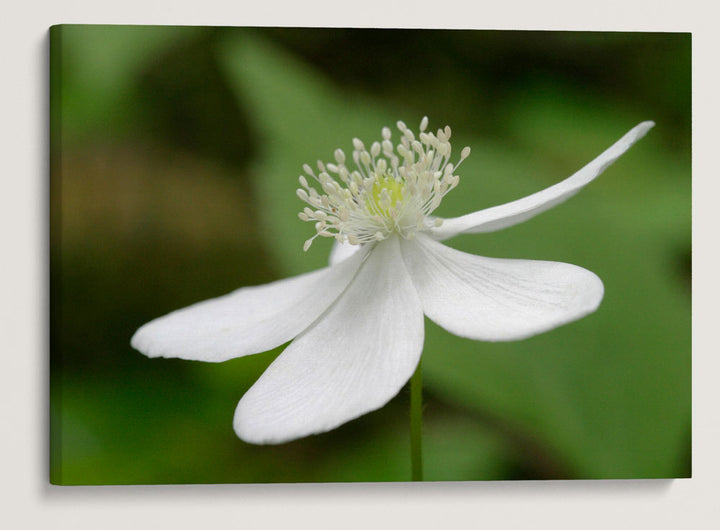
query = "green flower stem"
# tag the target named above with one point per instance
(416, 423)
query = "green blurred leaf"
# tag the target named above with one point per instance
(100, 64)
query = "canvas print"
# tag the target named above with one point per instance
(296, 255)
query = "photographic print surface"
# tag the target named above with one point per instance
(175, 156)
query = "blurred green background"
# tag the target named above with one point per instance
(174, 160)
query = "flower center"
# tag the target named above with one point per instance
(387, 192)
(392, 189)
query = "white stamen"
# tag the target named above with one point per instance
(339, 157)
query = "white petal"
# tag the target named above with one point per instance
(515, 212)
(249, 320)
(353, 360)
(342, 251)
(497, 299)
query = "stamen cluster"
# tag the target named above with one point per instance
(391, 190)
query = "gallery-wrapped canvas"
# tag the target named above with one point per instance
(184, 167)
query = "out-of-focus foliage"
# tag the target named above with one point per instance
(175, 158)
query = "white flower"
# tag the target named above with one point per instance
(357, 326)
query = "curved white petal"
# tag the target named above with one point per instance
(353, 360)
(515, 212)
(497, 299)
(249, 320)
(342, 251)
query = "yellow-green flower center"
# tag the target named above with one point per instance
(387, 192)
